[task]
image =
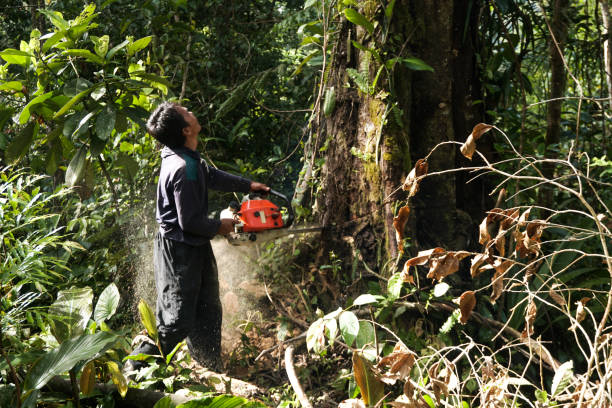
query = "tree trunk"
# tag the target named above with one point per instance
(372, 145)
(556, 45)
(604, 6)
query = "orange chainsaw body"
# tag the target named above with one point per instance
(259, 215)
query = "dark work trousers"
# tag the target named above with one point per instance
(188, 304)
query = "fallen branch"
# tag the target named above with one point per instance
(293, 378)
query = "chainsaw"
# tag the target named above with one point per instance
(260, 220)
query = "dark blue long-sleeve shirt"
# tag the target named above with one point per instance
(182, 195)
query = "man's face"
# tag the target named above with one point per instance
(193, 125)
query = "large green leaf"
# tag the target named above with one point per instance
(56, 18)
(71, 102)
(13, 56)
(25, 113)
(354, 17)
(220, 401)
(416, 64)
(76, 86)
(116, 48)
(76, 168)
(138, 45)
(66, 356)
(71, 312)
(107, 303)
(20, 145)
(88, 55)
(349, 327)
(366, 334)
(148, 319)
(105, 122)
(11, 86)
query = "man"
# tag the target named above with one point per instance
(186, 279)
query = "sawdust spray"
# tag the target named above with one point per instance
(238, 284)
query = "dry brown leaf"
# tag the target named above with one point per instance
(423, 257)
(411, 183)
(406, 275)
(530, 316)
(580, 312)
(476, 262)
(489, 225)
(469, 147)
(522, 221)
(498, 285)
(511, 216)
(560, 300)
(401, 360)
(399, 223)
(442, 267)
(467, 302)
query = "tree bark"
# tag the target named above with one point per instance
(559, 27)
(372, 145)
(604, 6)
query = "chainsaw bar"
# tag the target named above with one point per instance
(255, 238)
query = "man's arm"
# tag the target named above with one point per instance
(191, 218)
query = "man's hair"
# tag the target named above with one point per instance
(166, 125)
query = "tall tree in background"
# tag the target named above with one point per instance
(402, 79)
(558, 36)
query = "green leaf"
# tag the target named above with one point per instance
(349, 327)
(562, 378)
(11, 86)
(128, 164)
(429, 401)
(330, 101)
(116, 48)
(118, 378)
(76, 168)
(17, 57)
(71, 312)
(100, 44)
(221, 401)
(71, 124)
(83, 124)
(107, 303)
(71, 102)
(76, 86)
(365, 299)
(148, 319)
(138, 45)
(56, 18)
(360, 78)
(105, 122)
(165, 402)
(314, 334)
(365, 335)
(416, 64)
(25, 113)
(98, 93)
(354, 17)
(88, 55)
(394, 286)
(20, 145)
(389, 9)
(66, 356)
(304, 62)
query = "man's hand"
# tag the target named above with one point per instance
(227, 226)
(259, 187)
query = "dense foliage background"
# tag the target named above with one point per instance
(337, 101)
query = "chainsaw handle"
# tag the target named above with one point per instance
(283, 197)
